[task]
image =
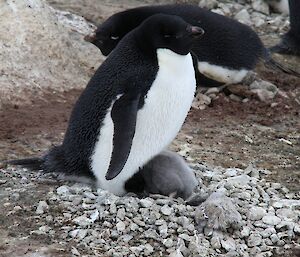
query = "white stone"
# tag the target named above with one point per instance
(121, 213)
(120, 226)
(146, 203)
(63, 190)
(268, 232)
(261, 6)
(176, 253)
(39, 51)
(254, 239)
(230, 172)
(201, 100)
(215, 242)
(148, 249)
(274, 238)
(74, 251)
(212, 90)
(243, 16)
(166, 210)
(82, 221)
(42, 207)
(287, 214)
(228, 244)
(245, 232)
(95, 216)
(256, 213)
(271, 220)
(297, 229)
(168, 242)
(209, 4)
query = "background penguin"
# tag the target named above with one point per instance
(226, 52)
(132, 108)
(290, 42)
(166, 174)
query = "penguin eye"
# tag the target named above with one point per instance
(114, 37)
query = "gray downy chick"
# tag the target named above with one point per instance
(169, 174)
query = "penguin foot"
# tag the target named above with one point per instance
(288, 45)
(218, 213)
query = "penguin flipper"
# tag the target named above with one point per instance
(123, 113)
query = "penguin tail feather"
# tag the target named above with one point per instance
(30, 163)
(275, 65)
(269, 62)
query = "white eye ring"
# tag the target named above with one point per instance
(114, 38)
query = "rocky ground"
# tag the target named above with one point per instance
(254, 212)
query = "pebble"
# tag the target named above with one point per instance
(256, 213)
(148, 249)
(286, 213)
(146, 203)
(166, 210)
(121, 213)
(42, 207)
(74, 251)
(168, 242)
(163, 230)
(94, 216)
(228, 244)
(209, 4)
(297, 229)
(230, 172)
(63, 190)
(261, 6)
(120, 226)
(271, 220)
(215, 242)
(244, 17)
(268, 232)
(274, 238)
(82, 221)
(245, 232)
(176, 253)
(254, 239)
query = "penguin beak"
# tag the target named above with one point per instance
(196, 31)
(91, 37)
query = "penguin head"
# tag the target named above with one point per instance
(167, 31)
(107, 36)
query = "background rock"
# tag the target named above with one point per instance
(42, 49)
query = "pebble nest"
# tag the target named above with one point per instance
(237, 213)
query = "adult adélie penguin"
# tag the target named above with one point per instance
(224, 55)
(132, 108)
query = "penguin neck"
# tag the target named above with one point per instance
(146, 45)
(168, 58)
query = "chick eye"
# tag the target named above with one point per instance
(114, 37)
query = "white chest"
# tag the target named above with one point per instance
(166, 106)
